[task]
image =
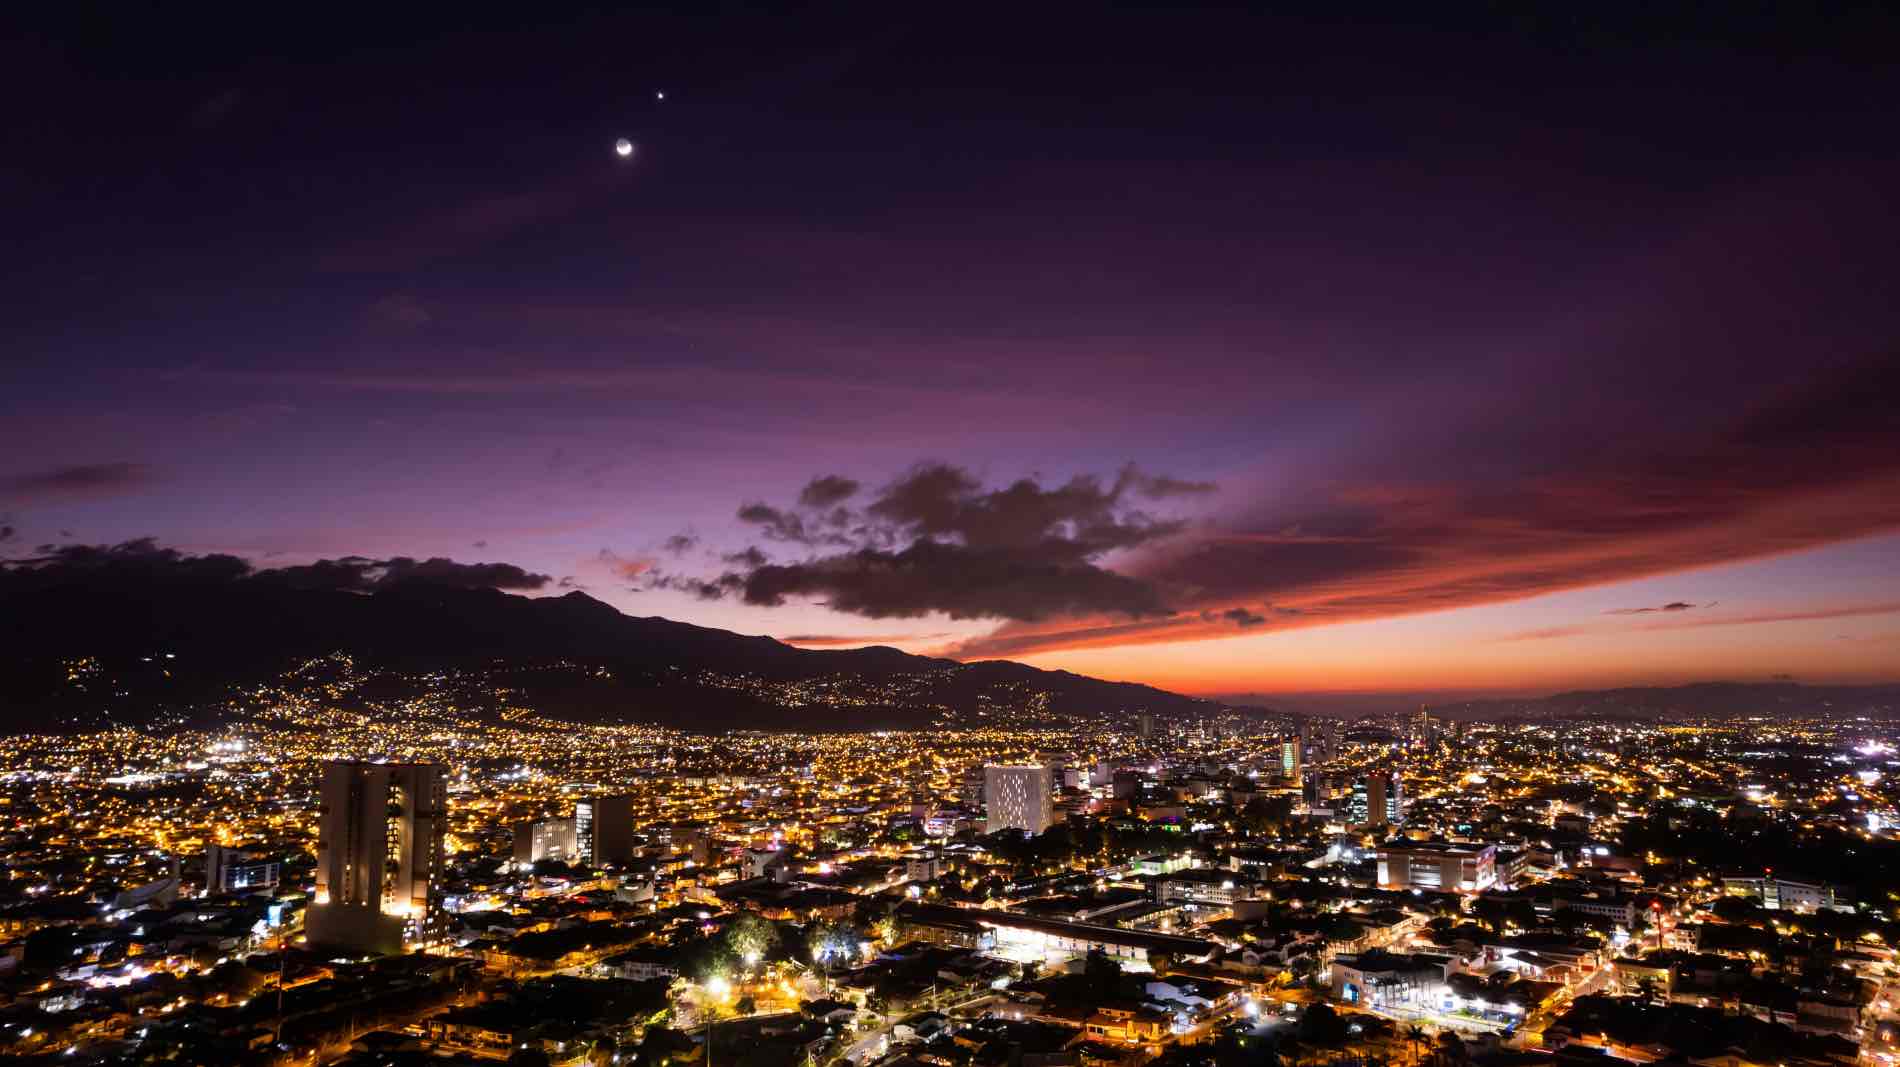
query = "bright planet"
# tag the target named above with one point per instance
(623, 148)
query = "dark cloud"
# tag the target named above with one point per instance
(961, 582)
(938, 540)
(827, 491)
(680, 543)
(144, 561)
(1158, 487)
(481, 544)
(776, 524)
(704, 588)
(360, 574)
(141, 561)
(1243, 618)
(441, 571)
(1674, 605)
(749, 557)
(350, 574)
(84, 479)
(7, 534)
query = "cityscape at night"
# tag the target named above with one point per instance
(835, 536)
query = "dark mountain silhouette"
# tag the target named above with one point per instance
(87, 652)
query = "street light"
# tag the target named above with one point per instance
(718, 987)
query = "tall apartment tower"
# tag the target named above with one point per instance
(603, 829)
(1017, 798)
(1292, 759)
(379, 849)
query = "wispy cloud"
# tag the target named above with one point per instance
(83, 479)
(1844, 611)
(1674, 605)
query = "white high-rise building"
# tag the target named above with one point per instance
(379, 848)
(1017, 798)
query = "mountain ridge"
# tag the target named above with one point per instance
(163, 647)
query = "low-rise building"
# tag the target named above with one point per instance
(1437, 865)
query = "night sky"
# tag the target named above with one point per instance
(1495, 352)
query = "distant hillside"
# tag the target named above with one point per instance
(1778, 699)
(87, 653)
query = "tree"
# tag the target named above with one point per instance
(749, 936)
(1416, 1035)
(1492, 911)
(1523, 913)
(828, 941)
(1321, 1025)
(1739, 910)
(1101, 976)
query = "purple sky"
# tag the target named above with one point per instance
(1484, 333)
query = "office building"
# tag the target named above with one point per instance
(1791, 894)
(379, 850)
(603, 829)
(1017, 798)
(547, 839)
(233, 870)
(1430, 865)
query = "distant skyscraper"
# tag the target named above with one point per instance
(1017, 798)
(1320, 737)
(380, 847)
(1318, 790)
(1378, 799)
(1057, 762)
(584, 814)
(603, 829)
(1292, 759)
(233, 870)
(1126, 785)
(1147, 724)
